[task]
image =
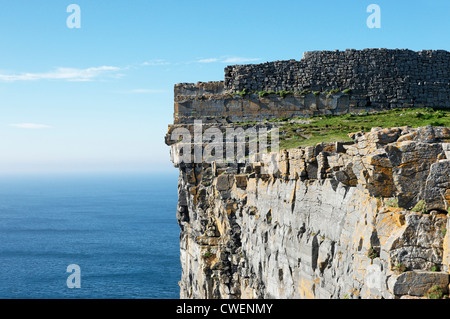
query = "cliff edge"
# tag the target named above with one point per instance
(361, 218)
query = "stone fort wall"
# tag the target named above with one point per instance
(373, 79)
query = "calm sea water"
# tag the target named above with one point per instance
(120, 229)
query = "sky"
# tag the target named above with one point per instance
(99, 98)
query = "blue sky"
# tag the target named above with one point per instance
(99, 98)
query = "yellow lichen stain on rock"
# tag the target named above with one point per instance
(399, 219)
(210, 260)
(306, 289)
(193, 190)
(407, 137)
(447, 199)
(251, 185)
(292, 198)
(391, 215)
(231, 208)
(446, 246)
(241, 181)
(219, 225)
(191, 177)
(247, 292)
(389, 223)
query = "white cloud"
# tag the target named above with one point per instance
(228, 59)
(238, 59)
(67, 74)
(142, 91)
(155, 62)
(33, 126)
(211, 60)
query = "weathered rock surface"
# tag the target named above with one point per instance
(361, 220)
(366, 219)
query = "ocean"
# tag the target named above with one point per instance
(119, 229)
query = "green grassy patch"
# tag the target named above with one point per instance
(332, 128)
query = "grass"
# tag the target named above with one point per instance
(435, 292)
(285, 93)
(333, 128)
(435, 268)
(391, 202)
(420, 207)
(372, 253)
(400, 268)
(207, 254)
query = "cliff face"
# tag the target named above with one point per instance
(325, 226)
(361, 219)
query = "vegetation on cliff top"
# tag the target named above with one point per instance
(330, 128)
(285, 93)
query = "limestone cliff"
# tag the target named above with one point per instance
(361, 219)
(326, 226)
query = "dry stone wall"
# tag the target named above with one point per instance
(389, 78)
(372, 79)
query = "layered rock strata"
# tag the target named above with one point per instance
(358, 220)
(366, 219)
